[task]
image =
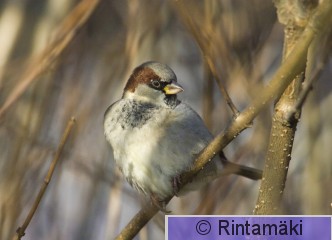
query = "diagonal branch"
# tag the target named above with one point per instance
(20, 232)
(222, 89)
(290, 68)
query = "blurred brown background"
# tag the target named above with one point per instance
(87, 197)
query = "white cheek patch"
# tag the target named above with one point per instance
(147, 94)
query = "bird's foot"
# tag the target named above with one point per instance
(176, 182)
(160, 204)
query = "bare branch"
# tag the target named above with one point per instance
(221, 87)
(282, 133)
(207, 50)
(138, 222)
(208, 103)
(305, 91)
(20, 232)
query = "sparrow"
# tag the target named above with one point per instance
(155, 137)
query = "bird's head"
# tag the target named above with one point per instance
(153, 82)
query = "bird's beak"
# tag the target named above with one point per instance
(173, 88)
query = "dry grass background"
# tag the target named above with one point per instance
(87, 198)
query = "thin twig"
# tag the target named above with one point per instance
(305, 91)
(281, 79)
(208, 103)
(68, 29)
(206, 49)
(20, 232)
(222, 89)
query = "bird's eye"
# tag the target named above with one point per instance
(155, 83)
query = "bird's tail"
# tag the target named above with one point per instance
(238, 169)
(223, 167)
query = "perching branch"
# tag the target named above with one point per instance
(290, 68)
(67, 30)
(20, 232)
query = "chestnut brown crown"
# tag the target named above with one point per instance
(155, 75)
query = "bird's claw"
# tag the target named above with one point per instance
(176, 182)
(161, 205)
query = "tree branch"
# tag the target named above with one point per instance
(305, 91)
(283, 131)
(206, 47)
(20, 232)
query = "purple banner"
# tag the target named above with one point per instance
(249, 227)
